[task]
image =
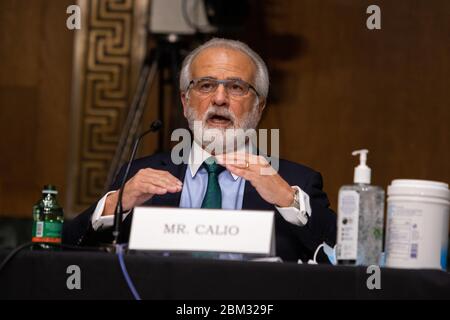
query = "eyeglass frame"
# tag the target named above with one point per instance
(224, 82)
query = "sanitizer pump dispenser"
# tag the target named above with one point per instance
(360, 218)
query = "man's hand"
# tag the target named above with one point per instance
(255, 169)
(142, 187)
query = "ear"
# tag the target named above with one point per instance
(262, 104)
(184, 101)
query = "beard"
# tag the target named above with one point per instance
(220, 131)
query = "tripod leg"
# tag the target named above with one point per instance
(136, 110)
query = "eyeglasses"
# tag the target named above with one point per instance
(234, 87)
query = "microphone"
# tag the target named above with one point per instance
(154, 127)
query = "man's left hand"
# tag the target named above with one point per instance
(257, 170)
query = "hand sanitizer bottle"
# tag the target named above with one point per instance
(360, 218)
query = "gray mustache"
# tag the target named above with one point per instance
(214, 111)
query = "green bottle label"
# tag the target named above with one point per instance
(47, 231)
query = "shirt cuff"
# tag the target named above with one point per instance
(298, 216)
(100, 222)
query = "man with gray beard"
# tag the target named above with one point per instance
(224, 85)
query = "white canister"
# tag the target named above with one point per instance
(417, 224)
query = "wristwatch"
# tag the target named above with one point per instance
(296, 202)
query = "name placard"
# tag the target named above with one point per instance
(175, 229)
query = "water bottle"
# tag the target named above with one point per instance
(48, 218)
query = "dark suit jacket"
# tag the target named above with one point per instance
(292, 242)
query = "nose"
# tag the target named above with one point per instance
(220, 97)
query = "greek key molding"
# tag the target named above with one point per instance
(108, 52)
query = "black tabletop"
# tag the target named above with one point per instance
(45, 275)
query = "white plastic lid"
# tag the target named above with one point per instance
(423, 188)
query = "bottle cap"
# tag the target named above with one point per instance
(51, 189)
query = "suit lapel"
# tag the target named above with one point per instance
(251, 197)
(253, 201)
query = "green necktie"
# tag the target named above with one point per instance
(213, 196)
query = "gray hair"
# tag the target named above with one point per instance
(261, 76)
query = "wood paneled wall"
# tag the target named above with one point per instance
(337, 86)
(35, 83)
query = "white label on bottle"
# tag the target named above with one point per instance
(39, 229)
(348, 219)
